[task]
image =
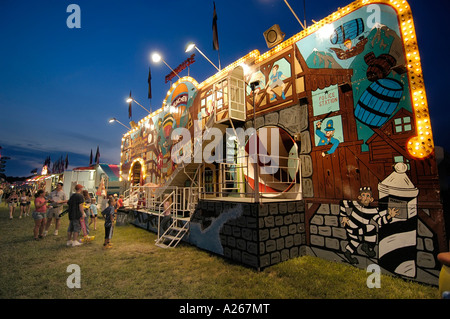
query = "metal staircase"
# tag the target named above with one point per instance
(183, 199)
(173, 235)
(179, 226)
(191, 168)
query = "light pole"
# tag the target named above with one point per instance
(191, 45)
(303, 25)
(113, 119)
(156, 57)
(253, 85)
(130, 99)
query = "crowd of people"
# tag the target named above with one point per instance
(16, 200)
(82, 211)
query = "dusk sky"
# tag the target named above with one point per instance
(59, 86)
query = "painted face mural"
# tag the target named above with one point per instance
(156, 138)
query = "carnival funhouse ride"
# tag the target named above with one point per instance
(340, 110)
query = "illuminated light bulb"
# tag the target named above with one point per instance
(156, 57)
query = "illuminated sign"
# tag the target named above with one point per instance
(180, 68)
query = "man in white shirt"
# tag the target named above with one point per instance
(57, 199)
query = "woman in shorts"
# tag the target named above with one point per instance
(12, 200)
(40, 214)
(28, 207)
(23, 203)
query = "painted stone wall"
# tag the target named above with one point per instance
(328, 240)
(281, 231)
(254, 235)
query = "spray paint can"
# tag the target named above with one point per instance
(397, 239)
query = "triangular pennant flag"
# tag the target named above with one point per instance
(149, 80)
(215, 33)
(97, 156)
(129, 107)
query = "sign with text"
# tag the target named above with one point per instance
(180, 68)
(326, 100)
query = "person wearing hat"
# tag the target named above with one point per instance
(56, 201)
(76, 211)
(327, 137)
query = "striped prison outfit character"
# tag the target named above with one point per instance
(359, 218)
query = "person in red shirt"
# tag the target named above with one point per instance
(120, 201)
(39, 214)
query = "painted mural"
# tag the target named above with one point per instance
(368, 42)
(369, 197)
(375, 190)
(146, 151)
(347, 98)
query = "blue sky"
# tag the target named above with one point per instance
(59, 86)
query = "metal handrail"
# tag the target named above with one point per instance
(241, 166)
(149, 197)
(167, 197)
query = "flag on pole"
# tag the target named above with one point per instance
(97, 156)
(67, 161)
(61, 165)
(90, 159)
(47, 161)
(129, 107)
(149, 80)
(215, 34)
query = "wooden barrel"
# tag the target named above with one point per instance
(348, 31)
(379, 67)
(378, 102)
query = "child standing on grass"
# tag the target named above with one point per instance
(108, 214)
(93, 211)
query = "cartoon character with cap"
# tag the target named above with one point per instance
(327, 137)
(356, 219)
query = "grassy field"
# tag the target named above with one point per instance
(136, 269)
